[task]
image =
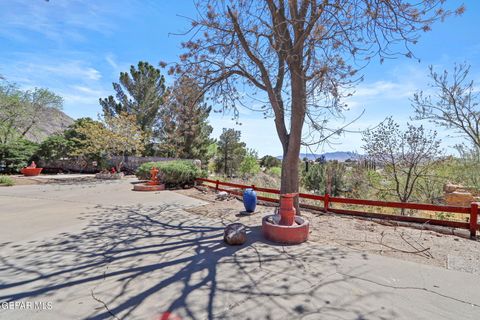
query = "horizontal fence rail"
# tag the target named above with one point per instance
(472, 211)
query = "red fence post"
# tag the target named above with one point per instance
(473, 219)
(326, 202)
(216, 185)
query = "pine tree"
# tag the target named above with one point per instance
(140, 93)
(184, 129)
(231, 152)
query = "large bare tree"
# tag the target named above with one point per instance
(299, 55)
(453, 105)
(405, 156)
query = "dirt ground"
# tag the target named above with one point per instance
(443, 247)
(21, 180)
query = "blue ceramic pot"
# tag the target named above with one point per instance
(250, 200)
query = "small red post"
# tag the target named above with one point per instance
(216, 185)
(473, 219)
(326, 202)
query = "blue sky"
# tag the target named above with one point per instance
(78, 48)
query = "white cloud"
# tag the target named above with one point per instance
(75, 79)
(110, 58)
(60, 21)
(385, 88)
(88, 91)
(31, 67)
(82, 101)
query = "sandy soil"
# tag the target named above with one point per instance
(21, 180)
(451, 251)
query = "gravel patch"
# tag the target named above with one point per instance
(441, 247)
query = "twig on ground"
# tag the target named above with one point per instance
(401, 250)
(426, 251)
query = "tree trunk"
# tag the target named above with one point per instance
(225, 155)
(291, 149)
(290, 174)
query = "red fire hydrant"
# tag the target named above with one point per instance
(287, 211)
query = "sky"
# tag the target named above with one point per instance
(78, 48)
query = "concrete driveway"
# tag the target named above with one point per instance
(97, 250)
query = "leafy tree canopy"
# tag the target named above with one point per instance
(231, 152)
(183, 128)
(140, 93)
(21, 110)
(117, 136)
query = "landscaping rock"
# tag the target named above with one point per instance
(235, 234)
(449, 187)
(222, 195)
(202, 189)
(458, 198)
(110, 176)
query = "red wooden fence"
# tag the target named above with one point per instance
(472, 211)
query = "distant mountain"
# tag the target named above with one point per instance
(337, 155)
(49, 122)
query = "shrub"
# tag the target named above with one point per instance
(172, 173)
(17, 154)
(249, 166)
(6, 181)
(315, 178)
(275, 171)
(270, 162)
(325, 178)
(54, 147)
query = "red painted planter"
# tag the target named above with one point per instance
(294, 234)
(287, 211)
(148, 187)
(31, 171)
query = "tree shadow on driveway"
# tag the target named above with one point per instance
(136, 262)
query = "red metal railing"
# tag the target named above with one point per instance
(472, 211)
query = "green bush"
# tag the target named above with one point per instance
(249, 166)
(6, 181)
(275, 171)
(324, 177)
(172, 173)
(54, 147)
(17, 154)
(270, 162)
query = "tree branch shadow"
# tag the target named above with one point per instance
(130, 254)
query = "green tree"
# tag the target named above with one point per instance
(71, 143)
(249, 165)
(117, 136)
(184, 130)
(140, 93)
(11, 109)
(78, 140)
(270, 161)
(231, 152)
(21, 111)
(55, 147)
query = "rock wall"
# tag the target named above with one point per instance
(458, 195)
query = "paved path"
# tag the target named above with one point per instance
(100, 251)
